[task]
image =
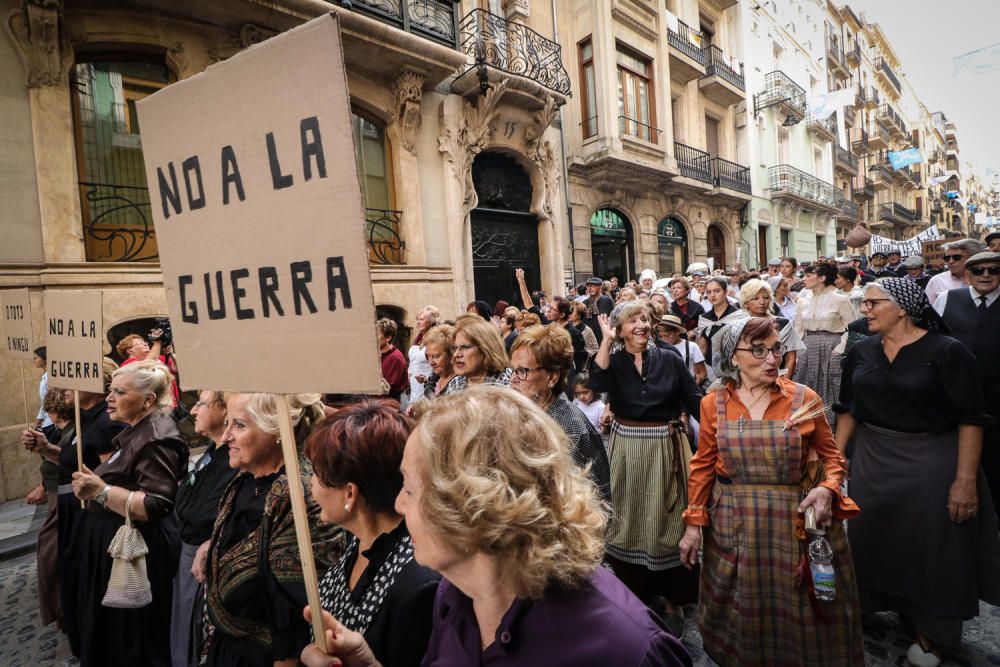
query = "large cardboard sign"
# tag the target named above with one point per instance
(17, 337)
(74, 333)
(260, 223)
(911, 246)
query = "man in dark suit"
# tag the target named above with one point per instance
(973, 315)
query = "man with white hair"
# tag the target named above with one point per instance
(955, 254)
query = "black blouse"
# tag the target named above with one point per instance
(396, 619)
(660, 393)
(928, 388)
(199, 494)
(98, 435)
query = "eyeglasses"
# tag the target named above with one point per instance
(522, 373)
(463, 348)
(869, 304)
(761, 351)
(980, 270)
(953, 258)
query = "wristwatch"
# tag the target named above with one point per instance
(102, 496)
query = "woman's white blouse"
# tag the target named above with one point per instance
(825, 309)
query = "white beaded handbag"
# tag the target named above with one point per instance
(128, 586)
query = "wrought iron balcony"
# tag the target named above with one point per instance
(635, 128)
(688, 41)
(835, 57)
(859, 140)
(722, 83)
(852, 53)
(896, 213)
(867, 97)
(693, 163)
(878, 135)
(881, 175)
(117, 223)
(434, 19)
(882, 68)
(848, 209)
(513, 48)
(780, 90)
(844, 160)
(891, 119)
(787, 182)
(862, 188)
(385, 246)
(825, 128)
(731, 175)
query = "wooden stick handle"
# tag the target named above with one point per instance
(302, 534)
(24, 395)
(79, 436)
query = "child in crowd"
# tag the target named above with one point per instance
(584, 398)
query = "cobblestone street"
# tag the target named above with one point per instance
(24, 644)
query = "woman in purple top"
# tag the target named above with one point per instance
(494, 502)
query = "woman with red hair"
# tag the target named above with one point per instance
(376, 589)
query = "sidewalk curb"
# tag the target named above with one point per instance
(25, 542)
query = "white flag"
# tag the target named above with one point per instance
(825, 104)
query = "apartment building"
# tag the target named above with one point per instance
(454, 108)
(656, 145)
(794, 205)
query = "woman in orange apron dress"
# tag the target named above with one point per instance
(765, 454)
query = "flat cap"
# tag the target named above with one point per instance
(982, 258)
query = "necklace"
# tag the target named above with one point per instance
(745, 418)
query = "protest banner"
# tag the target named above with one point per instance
(74, 335)
(933, 253)
(911, 246)
(260, 225)
(17, 334)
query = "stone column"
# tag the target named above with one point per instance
(407, 90)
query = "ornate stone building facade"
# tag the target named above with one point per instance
(457, 145)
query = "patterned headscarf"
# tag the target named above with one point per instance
(725, 343)
(911, 297)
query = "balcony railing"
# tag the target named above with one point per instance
(434, 19)
(859, 139)
(844, 158)
(787, 181)
(862, 187)
(513, 48)
(852, 52)
(635, 128)
(826, 125)
(385, 246)
(878, 131)
(887, 114)
(882, 67)
(834, 52)
(688, 41)
(693, 163)
(779, 89)
(848, 209)
(731, 175)
(894, 212)
(717, 63)
(117, 223)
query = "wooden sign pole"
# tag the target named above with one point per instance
(24, 393)
(302, 534)
(79, 436)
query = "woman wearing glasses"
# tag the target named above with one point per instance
(478, 355)
(648, 390)
(541, 361)
(757, 300)
(821, 318)
(765, 455)
(915, 414)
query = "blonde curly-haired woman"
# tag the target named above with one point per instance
(495, 503)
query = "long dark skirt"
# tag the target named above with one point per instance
(908, 553)
(122, 636)
(71, 515)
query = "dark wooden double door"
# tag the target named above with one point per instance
(503, 241)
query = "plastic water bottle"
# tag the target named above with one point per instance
(821, 566)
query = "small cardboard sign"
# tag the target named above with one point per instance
(17, 337)
(74, 340)
(933, 253)
(260, 223)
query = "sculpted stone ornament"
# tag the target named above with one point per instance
(36, 33)
(408, 91)
(233, 42)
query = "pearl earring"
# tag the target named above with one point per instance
(347, 508)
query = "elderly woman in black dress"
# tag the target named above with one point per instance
(648, 390)
(916, 423)
(376, 588)
(150, 460)
(541, 360)
(254, 587)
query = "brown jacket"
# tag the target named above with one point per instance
(150, 457)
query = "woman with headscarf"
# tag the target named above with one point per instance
(761, 463)
(712, 321)
(648, 390)
(914, 417)
(756, 300)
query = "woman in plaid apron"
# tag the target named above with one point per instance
(765, 454)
